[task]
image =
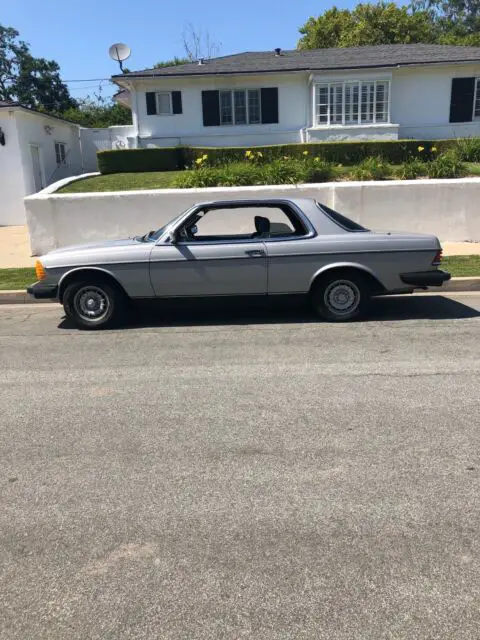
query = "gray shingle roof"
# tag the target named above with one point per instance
(320, 60)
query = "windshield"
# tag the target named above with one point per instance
(153, 236)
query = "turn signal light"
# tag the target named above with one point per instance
(40, 271)
(438, 258)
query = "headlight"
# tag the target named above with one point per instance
(40, 270)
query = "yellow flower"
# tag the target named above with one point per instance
(259, 154)
(434, 149)
(421, 149)
(199, 160)
(285, 157)
(205, 157)
(305, 153)
(317, 159)
(248, 153)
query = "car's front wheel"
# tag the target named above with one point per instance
(92, 305)
(341, 296)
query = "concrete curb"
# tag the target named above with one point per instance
(20, 296)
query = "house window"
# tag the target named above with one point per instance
(476, 104)
(352, 102)
(164, 103)
(240, 106)
(60, 153)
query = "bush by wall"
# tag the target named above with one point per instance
(138, 160)
(346, 153)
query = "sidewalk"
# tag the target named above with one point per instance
(15, 248)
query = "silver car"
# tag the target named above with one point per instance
(241, 248)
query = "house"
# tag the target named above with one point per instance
(362, 93)
(36, 149)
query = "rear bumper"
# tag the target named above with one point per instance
(42, 291)
(425, 278)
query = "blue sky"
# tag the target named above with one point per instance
(77, 34)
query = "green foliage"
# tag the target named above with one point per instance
(127, 160)
(367, 24)
(468, 149)
(447, 165)
(371, 169)
(345, 153)
(99, 115)
(413, 168)
(34, 82)
(171, 63)
(246, 173)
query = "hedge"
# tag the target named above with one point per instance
(346, 153)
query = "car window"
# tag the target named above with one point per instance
(341, 220)
(240, 223)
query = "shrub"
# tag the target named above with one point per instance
(371, 169)
(137, 160)
(447, 165)
(468, 149)
(411, 169)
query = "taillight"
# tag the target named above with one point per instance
(438, 258)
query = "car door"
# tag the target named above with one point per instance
(210, 265)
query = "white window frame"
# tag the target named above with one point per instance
(329, 84)
(157, 105)
(60, 145)
(476, 96)
(247, 106)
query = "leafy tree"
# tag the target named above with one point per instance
(35, 82)
(98, 114)
(369, 24)
(458, 21)
(171, 63)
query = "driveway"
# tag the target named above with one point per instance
(242, 475)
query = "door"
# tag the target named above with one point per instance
(216, 253)
(36, 167)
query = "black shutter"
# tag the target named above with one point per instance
(269, 105)
(211, 108)
(461, 101)
(176, 101)
(151, 103)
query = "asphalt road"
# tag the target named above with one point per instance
(242, 474)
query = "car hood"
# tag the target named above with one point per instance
(104, 244)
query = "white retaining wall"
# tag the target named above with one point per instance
(448, 208)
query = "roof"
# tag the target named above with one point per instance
(11, 104)
(123, 97)
(319, 60)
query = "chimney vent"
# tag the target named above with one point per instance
(278, 51)
(201, 61)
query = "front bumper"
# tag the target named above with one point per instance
(425, 278)
(42, 291)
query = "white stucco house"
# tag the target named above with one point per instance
(256, 98)
(36, 149)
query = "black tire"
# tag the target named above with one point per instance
(94, 305)
(342, 296)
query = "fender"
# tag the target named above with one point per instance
(65, 276)
(345, 265)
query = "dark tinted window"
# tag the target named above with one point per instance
(342, 221)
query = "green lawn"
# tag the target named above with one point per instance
(458, 266)
(122, 182)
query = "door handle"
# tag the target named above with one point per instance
(255, 253)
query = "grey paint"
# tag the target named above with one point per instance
(256, 266)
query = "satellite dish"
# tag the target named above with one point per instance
(119, 52)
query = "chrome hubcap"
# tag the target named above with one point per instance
(342, 297)
(91, 303)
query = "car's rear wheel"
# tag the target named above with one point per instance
(94, 305)
(341, 296)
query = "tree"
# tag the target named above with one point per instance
(458, 21)
(34, 82)
(198, 44)
(368, 24)
(171, 63)
(98, 114)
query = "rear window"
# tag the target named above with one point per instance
(340, 220)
